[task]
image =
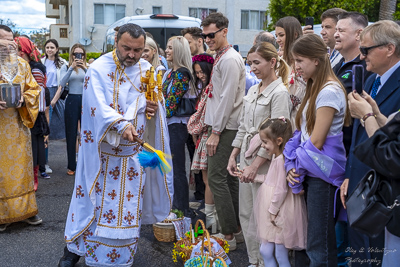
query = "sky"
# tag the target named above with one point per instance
(29, 15)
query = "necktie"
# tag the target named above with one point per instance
(375, 87)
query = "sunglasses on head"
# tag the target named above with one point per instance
(210, 35)
(364, 50)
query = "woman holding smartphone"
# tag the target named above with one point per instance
(74, 77)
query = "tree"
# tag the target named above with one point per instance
(8, 22)
(387, 9)
(301, 9)
(12, 25)
(39, 37)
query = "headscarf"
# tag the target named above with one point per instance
(25, 45)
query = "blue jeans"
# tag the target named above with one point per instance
(342, 241)
(321, 238)
(178, 135)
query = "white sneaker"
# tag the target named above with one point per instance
(239, 237)
(48, 170)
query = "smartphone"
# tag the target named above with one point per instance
(310, 21)
(236, 47)
(78, 56)
(358, 78)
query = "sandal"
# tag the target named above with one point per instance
(70, 173)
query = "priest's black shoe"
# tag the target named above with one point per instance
(69, 259)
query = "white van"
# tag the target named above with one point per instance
(161, 26)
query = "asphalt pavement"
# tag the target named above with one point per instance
(23, 245)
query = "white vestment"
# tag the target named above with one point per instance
(113, 194)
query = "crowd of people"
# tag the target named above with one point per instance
(276, 142)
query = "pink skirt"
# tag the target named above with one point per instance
(291, 222)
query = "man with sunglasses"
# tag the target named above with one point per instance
(225, 92)
(380, 49)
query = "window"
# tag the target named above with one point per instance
(63, 33)
(200, 13)
(157, 10)
(253, 19)
(108, 13)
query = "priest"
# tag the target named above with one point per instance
(113, 195)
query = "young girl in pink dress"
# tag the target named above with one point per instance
(280, 215)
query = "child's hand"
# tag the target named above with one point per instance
(291, 177)
(249, 173)
(272, 218)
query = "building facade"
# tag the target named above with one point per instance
(86, 21)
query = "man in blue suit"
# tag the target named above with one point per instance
(380, 47)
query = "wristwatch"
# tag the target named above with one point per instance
(366, 116)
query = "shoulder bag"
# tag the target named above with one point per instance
(367, 209)
(64, 93)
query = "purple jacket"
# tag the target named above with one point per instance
(328, 163)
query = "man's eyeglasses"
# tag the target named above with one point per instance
(210, 35)
(364, 50)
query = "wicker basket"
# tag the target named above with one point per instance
(165, 231)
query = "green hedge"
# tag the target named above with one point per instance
(88, 55)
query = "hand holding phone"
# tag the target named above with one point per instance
(358, 79)
(310, 21)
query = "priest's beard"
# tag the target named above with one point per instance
(126, 61)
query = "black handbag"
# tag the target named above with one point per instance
(64, 93)
(186, 108)
(367, 209)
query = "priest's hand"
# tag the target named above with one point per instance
(151, 108)
(3, 105)
(21, 102)
(130, 134)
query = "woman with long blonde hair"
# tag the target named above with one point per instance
(150, 53)
(315, 158)
(180, 99)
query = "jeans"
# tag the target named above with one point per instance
(73, 108)
(342, 241)
(321, 238)
(178, 135)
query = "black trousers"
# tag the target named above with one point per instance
(178, 135)
(198, 177)
(73, 109)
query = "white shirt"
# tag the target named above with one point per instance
(51, 73)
